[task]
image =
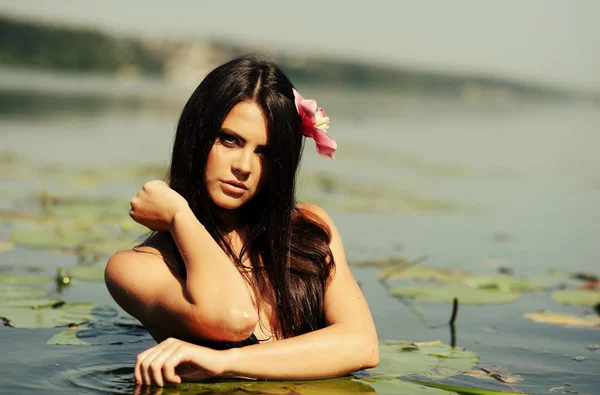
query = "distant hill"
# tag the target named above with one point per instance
(34, 45)
(30, 44)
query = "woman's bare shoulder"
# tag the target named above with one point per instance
(140, 273)
(315, 211)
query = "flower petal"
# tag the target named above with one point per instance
(326, 145)
(304, 106)
(314, 123)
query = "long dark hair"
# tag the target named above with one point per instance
(292, 244)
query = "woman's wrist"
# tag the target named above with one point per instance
(230, 358)
(180, 215)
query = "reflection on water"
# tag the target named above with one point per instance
(117, 380)
(43, 106)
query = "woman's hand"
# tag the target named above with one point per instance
(173, 360)
(155, 205)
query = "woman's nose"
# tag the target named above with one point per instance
(242, 164)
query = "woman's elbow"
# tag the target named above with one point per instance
(370, 347)
(371, 359)
(228, 325)
(241, 324)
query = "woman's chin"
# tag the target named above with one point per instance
(228, 203)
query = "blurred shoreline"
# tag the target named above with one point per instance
(44, 52)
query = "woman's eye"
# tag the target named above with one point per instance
(262, 151)
(228, 139)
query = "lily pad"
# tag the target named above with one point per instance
(88, 272)
(462, 390)
(89, 244)
(434, 360)
(571, 321)
(18, 296)
(381, 263)
(422, 273)
(6, 246)
(500, 282)
(68, 336)
(447, 293)
(22, 279)
(339, 385)
(495, 373)
(48, 317)
(577, 297)
(57, 237)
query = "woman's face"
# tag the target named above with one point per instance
(235, 168)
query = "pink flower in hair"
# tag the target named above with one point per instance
(314, 125)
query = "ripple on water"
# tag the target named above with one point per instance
(116, 379)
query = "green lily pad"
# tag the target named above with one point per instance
(340, 385)
(24, 297)
(90, 243)
(68, 336)
(501, 282)
(381, 263)
(22, 279)
(57, 237)
(435, 360)
(447, 293)
(577, 297)
(88, 272)
(6, 246)
(492, 373)
(422, 273)
(567, 320)
(462, 390)
(48, 317)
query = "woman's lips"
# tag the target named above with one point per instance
(234, 188)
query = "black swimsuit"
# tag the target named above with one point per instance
(227, 345)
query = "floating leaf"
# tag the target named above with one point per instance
(577, 297)
(422, 273)
(447, 293)
(26, 297)
(500, 282)
(48, 317)
(88, 272)
(434, 359)
(6, 246)
(497, 373)
(106, 247)
(381, 263)
(462, 390)
(59, 237)
(23, 279)
(591, 321)
(68, 336)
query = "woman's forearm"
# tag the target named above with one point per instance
(332, 351)
(214, 285)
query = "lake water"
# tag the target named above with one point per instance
(468, 185)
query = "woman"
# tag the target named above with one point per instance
(238, 280)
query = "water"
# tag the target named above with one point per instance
(520, 183)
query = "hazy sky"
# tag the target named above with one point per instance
(553, 41)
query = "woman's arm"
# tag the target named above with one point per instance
(214, 284)
(348, 343)
(214, 297)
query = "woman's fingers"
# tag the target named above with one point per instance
(137, 371)
(145, 366)
(150, 364)
(168, 369)
(157, 366)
